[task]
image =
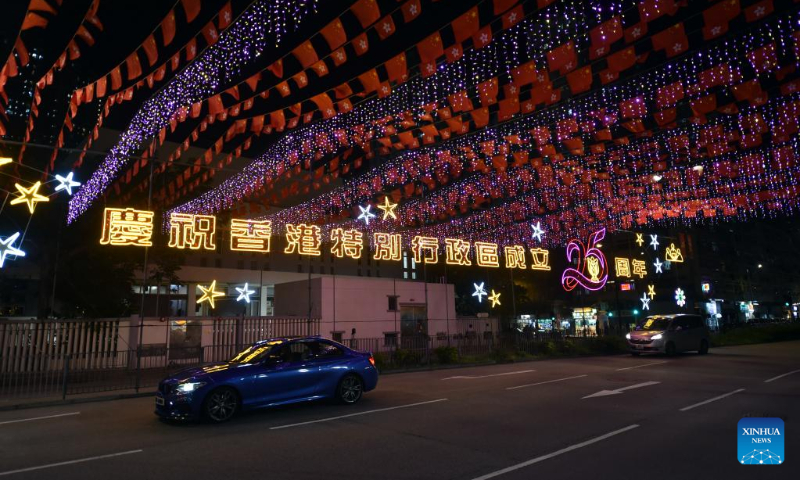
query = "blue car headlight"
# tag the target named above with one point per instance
(189, 387)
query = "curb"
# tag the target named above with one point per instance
(57, 403)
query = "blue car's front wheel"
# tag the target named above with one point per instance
(350, 389)
(221, 404)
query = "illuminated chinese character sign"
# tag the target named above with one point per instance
(591, 271)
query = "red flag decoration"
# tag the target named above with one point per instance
(717, 17)
(602, 36)
(210, 33)
(763, 59)
(385, 27)
(563, 58)
(580, 80)
(396, 68)
(669, 95)
(635, 107)
(133, 65)
(672, 41)
(334, 34)
(150, 50)
(192, 9)
(411, 10)
(277, 68)
(501, 6)
(306, 54)
(482, 37)
(622, 60)
(168, 28)
(361, 44)
(759, 10)
(369, 80)
(225, 16)
(367, 12)
(430, 48)
(215, 105)
(466, 25)
(513, 17)
(324, 104)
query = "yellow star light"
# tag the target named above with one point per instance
(4, 160)
(388, 208)
(495, 298)
(29, 196)
(209, 294)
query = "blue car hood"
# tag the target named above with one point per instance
(201, 372)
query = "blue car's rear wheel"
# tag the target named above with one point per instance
(221, 404)
(350, 389)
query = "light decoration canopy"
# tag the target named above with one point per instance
(480, 291)
(29, 196)
(244, 293)
(7, 248)
(66, 183)
(210, 293)
(366, 214)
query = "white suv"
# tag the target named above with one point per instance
(669, 334)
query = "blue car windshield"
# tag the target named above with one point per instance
(255, 353)
(658, 324)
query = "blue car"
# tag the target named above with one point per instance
(272, 372)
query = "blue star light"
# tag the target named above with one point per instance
(66, 183)
(7, 248)
(366, 215)
(480, 291)
(244, 293)
(537, 231)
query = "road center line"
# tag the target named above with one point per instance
(712, 400)
(69, 462)
(472, 377)
(40, 418)
(640, 366)
(329, 419)
(548, 381)
(781, 376)
(556, 453)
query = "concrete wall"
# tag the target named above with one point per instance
(343, 303)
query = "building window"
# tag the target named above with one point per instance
(240, 264)
(218, 263)
(299, 268)
(204, 262)
(253, 265)
(336, 336)
(390, 339)
(392, 302)
(322, 270)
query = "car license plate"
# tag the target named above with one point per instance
(160, 401)
(639, 347)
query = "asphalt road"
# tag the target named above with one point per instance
(676, 418)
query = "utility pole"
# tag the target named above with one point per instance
(144, 287)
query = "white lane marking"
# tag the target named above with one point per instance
(556, 453)
(40, 418)
(605, 393)
(472, 377)
(640, 366)
(548, 381)
(712, 399)
(357, 414)
(69, 462)
(781, 376)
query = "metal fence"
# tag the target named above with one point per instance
(59, 373)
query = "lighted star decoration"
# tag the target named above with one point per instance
(654, 241)
(66, 183)
(651, 291)
(537, 231)
(480, 291)
(640, 239)
(210, 293)
(658, 264)
(645, 302)
(680, 297)
(29, 196)
(244, 293)
(4, 161)
(7, 248)
(494, 298)
(366, 215)
(388, 208)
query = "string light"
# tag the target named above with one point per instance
(126, 226)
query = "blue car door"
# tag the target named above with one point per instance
(330, 362)
(291, 377)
